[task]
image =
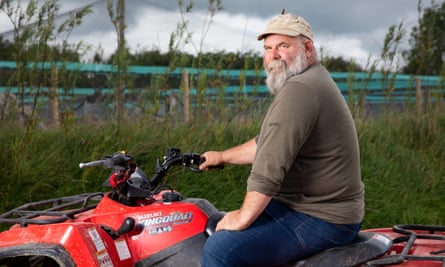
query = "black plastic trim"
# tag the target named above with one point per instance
(55, 252)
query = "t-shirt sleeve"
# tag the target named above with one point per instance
(287, 125)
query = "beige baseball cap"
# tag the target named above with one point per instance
(287, 24)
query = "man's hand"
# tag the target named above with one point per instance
(212, 159)
(253, 205)
(231, 221)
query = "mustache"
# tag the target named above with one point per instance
(276, 65)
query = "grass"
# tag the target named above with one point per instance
(402, 168)
(402, 159)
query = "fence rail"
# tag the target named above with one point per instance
(370, 88)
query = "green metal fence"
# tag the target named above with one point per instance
(367, 88)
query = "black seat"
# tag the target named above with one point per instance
(365, 247)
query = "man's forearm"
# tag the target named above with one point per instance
(253, 205)
(242, 154)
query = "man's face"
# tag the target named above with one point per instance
(280, 47)
(284, 56)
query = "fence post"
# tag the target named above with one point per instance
(427, 97)
(53, 98)
(185, 81)
(418, 96)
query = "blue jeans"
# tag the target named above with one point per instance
(280, 235)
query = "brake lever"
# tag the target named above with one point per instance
(192, 161)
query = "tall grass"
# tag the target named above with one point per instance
(402, 159)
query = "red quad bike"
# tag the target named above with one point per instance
(144, 222)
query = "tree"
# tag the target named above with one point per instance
(427, 41)
(117, 16)
(37, 75)
(339, 64)
(6, 49)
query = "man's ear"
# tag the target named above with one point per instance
(309, 47)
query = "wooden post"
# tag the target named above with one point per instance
(121, 71)
(53, 99)
(185, 81)
(418, 96)
(427, 97)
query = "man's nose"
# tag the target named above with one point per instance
(276, 54)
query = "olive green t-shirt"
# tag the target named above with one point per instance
(307, 153)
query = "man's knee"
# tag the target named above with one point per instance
(210, 245)
(212, 253)
(218, 250)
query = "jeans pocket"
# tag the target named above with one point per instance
(314, 234)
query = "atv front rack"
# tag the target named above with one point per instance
(52, 210)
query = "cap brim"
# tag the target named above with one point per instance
(277, 31)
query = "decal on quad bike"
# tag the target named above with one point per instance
(148, 216)
(104, 259)
(102, 255)
(122, 249)
(157, 223)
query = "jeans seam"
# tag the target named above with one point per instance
(345, 229)
(298, 236)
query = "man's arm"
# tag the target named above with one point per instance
(254, 202)
(242, 154)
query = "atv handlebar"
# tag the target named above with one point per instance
(92, 164)
(174, 157)
(118, 161)
(122, 161)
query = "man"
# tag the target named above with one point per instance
(304, 191)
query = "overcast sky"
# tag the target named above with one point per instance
(348, 28)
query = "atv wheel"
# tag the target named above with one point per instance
(28, 261)
(35, 255)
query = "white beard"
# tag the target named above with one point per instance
(278, 72)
